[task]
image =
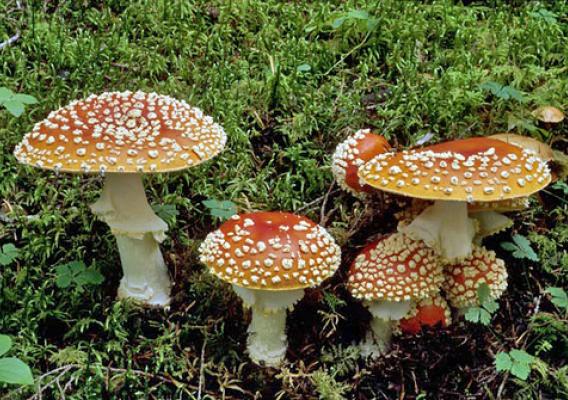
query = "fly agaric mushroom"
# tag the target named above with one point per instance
(453, 174)
(352, 153)
(430, 312)
(123, 135)
(389, 275)
(270, 258)
(463, 279)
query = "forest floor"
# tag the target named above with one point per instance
(287, 81)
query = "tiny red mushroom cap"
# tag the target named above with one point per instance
(476, 169)
(122, 132)
(352, 153)
(395, 268)
(428, 312)
(463, 279)
(271, 251)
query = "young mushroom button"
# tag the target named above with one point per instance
(462, 280)
(351, 154)
(270, 258)
(454, 174)
(389, 275)
(122, 135)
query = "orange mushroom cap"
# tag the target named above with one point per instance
(271, 251)
(430, 312)
(476, 169)
(122, 132)
(462, 280)
(395, 268)
(354, 152)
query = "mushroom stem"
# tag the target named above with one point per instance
(384, 313)
(138, 232)
(446, 228)
(267, 341)
(490, 223)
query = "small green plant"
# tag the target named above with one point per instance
(517, 362)
(12, 369)
(8, 254)
(168, 212)
(558, 297)
(327, 387)
(548, 16)
(15, 103)
(77, 274)
(503, 92)
(487, 307)
(222, 209)
(520, 248)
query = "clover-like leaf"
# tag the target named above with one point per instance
(559, 297)
(222, 209)
(8, 254)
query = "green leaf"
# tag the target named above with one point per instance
(509, 246)
(358, 14)
(338, 22)
(491, 306)
(63, 281)
(5, 344)
(503, 362)
(521, 370)
(77, 274)
(473, 314)
(14, 370)
(25, 98)
(521, 356)
(8, 254)
(503, 92)
(5, 94)
(90, 277)
(484, 317)
(483, 292)
(559, 297)
(168, 212)
(14, 107)
(525, 247)
(304, 68)
(222, 209)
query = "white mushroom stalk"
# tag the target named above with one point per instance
(267, 341)
(446, 227)
(138, 232)
(489, 223)
(385, 316)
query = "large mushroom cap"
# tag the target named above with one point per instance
(122, 132)
(395, 268)
(462, 279)
(271, 251)
(351, 154)
(476, 169)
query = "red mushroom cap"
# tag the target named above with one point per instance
(463, 279)
(354, 152)
(271, 251)
(122, 132)
(428, 312)
(476, 169)
(395, 268)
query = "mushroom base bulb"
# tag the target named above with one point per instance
(267, 341)
(446, 228)
(146, 277)
(138, 232)
(378, 340)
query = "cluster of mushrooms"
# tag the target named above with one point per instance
(460, 190)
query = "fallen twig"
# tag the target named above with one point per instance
(11, 40)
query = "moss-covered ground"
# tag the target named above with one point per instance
(288, 81)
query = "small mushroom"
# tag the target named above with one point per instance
(123, 135)
(352, 153)
(462, 279)
(428, 312)
(548, 114)
(389, 275)
(453, 174)
(270, 258)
